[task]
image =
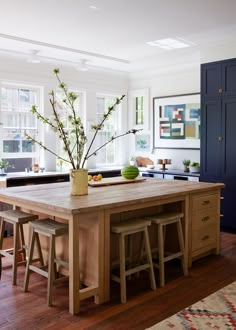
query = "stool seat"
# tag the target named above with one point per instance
(18, 219)
(17, 216)
(162, 220)
(130, 225)
(51, 229)
(165, 217)
(128, 228)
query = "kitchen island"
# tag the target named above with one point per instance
(89, 218)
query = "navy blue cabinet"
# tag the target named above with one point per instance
(218, 79)
(218, 132)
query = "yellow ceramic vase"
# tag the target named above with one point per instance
(79, 182)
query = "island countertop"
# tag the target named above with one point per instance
(57, 195)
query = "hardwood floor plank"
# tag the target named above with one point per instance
(144, 308)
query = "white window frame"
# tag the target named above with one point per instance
(39, 91)
(132, 95)
(118, 115)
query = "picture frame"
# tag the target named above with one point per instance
(176, 121)
(142, 142)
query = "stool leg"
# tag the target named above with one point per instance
(15, 251)
(182, 249)
(40, 254)
(51, 269)
(30, 257)
(161, 255)
(149, 258)
(122, 269)
(2, 228)
(22, 239)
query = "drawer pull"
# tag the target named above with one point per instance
(205, 218)
(204, 238)
(206, 202)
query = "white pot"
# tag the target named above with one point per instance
(194, 169)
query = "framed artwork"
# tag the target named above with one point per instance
(142, 142)
(176, 122)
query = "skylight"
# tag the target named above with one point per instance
(168, 43)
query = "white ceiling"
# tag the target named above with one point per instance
(114, 36)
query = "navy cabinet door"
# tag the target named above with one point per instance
(211, 80)
(229, 139)
(211, 143)
(229, 78)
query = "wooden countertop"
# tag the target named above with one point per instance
(56, 196)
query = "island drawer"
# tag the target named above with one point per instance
(205, 201)
(204, 218)
(204, 237)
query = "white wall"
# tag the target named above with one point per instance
(91, 82)
(183, 79)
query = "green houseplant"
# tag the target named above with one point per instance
(74, 140)
(4, 165)
(186, 163)
(195, 167)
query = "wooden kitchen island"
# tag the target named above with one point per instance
(88, 245)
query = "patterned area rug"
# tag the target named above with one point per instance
(217, 311)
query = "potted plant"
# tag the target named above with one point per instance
(186, 163)
(132, 160)
(74, 140)
(195, 167)
(4, 165)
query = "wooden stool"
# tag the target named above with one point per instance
(51, 229)
(162, 220)
(124, 229)
(17, 219)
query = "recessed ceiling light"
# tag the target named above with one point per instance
(168, 43)
(82, 66)
(33, 58)
(93, 7)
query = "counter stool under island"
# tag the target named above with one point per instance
(51, 229)
(18, 252)
(124, 229)
(162, 220)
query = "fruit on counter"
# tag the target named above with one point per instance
(130, 172)
(95, 177)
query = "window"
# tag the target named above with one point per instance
(139, 110)
(108, 154)
(15, 105)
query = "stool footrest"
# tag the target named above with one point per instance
(7, 253)
(137, 269)
(39, 270)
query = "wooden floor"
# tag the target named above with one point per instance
(19, 310)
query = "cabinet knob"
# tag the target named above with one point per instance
(205, 218)
(220, 138)
(220, 90)
(206, 202)
(205, 237)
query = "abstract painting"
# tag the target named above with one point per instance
(176, 121)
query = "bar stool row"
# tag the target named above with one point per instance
(53, 229)
(46, 227)
(130, 227)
